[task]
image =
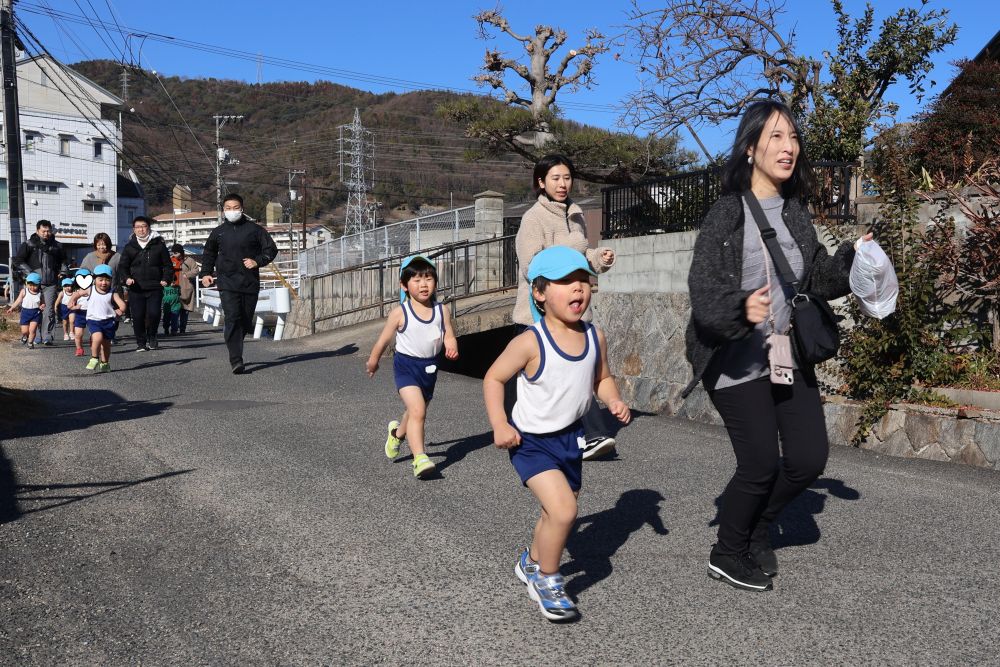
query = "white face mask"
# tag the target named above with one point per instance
(233, 216)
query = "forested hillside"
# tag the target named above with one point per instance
(419, 158)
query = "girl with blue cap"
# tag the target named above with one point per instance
(103, 306)
(422, 328)
(560, 362)
(62, 307)
(32, 303)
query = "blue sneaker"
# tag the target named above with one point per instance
(525, 568)
(549, 592)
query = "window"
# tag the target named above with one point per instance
(98, 150)
(29, 142)
(3, 194)
(53, 188)
(63, 145)
(30, 187)
(91, 207)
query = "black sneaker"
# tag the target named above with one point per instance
(140, 347)
(239, 368)
(760, 549)
(598, 447)
(152, 343)
(739, 571)
(48, 342)
(24, 340)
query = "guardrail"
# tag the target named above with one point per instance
(465, 269)
(277, 300)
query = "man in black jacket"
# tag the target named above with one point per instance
(145, 269)
(43, 255)
(235, 251)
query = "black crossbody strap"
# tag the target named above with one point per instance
(771, 241)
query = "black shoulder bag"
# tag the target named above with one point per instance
(815, 336)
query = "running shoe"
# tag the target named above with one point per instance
(31, 345)
(24, 340)
(92, 364)
(423, 467)
(65, 336)
(525, 568)
(739, 571)
(392, 442)
(598, 447)
(549, 591)
(79, 351)
(104, 367)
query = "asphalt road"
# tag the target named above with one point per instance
(172, 513)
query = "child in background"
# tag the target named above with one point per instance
(559, 362)
(62, 307)
(171, 310)
(103, 305)
(422, 327)
(78, 307)
(32, 303)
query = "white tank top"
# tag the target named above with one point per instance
(419, 338)
(562, 388)
(100, 306)
(31, 300)
(81, 303)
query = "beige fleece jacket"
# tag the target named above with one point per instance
(545, 224)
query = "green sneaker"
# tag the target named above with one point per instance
(104, 367)
(392, 442)
(92, 364)
(423, 467)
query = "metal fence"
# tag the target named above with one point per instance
(679, 202)
(399, 238)
(369, 290)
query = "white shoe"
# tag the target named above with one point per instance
(598, 447)
(65, 336)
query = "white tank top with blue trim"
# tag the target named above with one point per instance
(100, 306)
(31, 300)
(420, 338)
(562, 388)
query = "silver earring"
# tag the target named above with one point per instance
(750, 159)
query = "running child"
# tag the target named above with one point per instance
(422, 327)
(103, 305)
(560, 362)
(62, 307)
(78, 307)
(32, 303)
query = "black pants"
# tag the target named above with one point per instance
(238, 308)
(145, 307)
(757, 414)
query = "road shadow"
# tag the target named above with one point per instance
(62, 410)
(164, 362)
(796, 525)
(597, 537)
(350, 348)
(8, 484)
(52, 496)
(459, 449)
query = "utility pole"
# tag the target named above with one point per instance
(222, 156)
(12, 131)
(305, 209)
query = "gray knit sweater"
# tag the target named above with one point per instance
(714, 281)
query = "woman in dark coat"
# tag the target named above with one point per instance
(145, 270)
(737, 301)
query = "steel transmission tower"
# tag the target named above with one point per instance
(357, 170)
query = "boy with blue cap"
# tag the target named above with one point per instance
(560, 362)
(62, 307)
(422, 327)
(103, 306)
(32, 303)
(82, 282)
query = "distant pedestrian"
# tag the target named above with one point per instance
(31, 301)
(233, 255)
(62, 305)
(171, 310)
(422, 328)
(145, 269)
(101, 254)
(559, 363)
(186, 272)
(44, 255)
(103, 306)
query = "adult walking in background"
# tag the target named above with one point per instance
(44, 255)
(234, 253)
(101, 254)
(145, 270)
(555, 220)
(186, 272)
(737, 302)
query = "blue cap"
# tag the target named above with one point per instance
(67, 281)
(33, 278)
(103, 270)
(405, 263)
(82, 272)
(555, 262)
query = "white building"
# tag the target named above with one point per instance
(68, 156)
(193, 228)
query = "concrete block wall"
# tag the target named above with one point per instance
(653, 264)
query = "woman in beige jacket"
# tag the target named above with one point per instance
(556, 220)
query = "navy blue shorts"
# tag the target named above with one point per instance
(561, 450)
(63, 312)
(415, 372)
(31, 315)
(80, 321)
(106, 327)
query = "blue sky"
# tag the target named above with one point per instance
(417, 43)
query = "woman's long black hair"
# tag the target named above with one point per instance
(736, 171)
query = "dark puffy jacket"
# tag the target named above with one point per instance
(228, 245)
(148, 266)
(714, 280)
(46, 258)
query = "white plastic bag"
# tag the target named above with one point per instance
(873, 280)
